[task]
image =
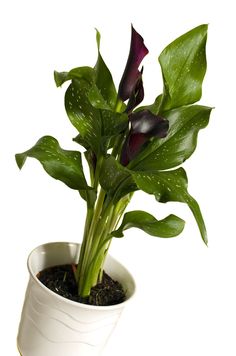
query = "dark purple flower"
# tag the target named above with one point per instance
(137, 95)
(144, 126)
(131, 81)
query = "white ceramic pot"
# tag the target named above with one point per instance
(54, 326)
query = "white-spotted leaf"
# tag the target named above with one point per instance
(179, 144)
(183, 64)
(170, 186)
(60, 164)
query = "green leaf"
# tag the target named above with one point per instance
(113, 123)
(103, 78)
(82, 114)
(89, 196)
(170, 186)
(82, 142)
(61, 77)
(60, 164)
(115, 179)
(154, 108)
(96, 99)
(179, 144)
(171, 226)
(86, 73)
(183, 64)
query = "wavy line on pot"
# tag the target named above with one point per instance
(98, 327)
(57, 342)
(44, 305)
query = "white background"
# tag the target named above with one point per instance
(186, 301)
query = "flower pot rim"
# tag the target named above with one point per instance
(71, 302)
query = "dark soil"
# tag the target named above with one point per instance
(61, 280)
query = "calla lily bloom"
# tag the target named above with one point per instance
(137, 94)
(131, 82)
(144, 126)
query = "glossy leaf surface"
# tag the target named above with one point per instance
(103, 79)
(183, 64)
(170, 186)
(86, 73)
(171, 226)
(113, 123)
(179, 144)
(60, 164)
(82, 114)
(115, 179)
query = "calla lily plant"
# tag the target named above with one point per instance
(128, 147)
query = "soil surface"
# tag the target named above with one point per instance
(61, 280)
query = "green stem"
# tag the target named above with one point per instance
(104, 239)
(118, 105)
(90, 240)
(97, 172)
(99, 223)
(94, 271)
(84, 243)
(105, 222)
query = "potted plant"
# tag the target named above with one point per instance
(127, 148)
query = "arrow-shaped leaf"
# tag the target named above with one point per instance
(183, 64)
(170, 186)
(103, 79)
(60, 164)
(180, 142)
(171, 226)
